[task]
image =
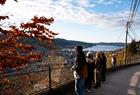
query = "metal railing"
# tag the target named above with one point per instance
(33, 82)
(39, 78)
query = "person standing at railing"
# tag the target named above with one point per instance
(80, 70)
(103, 66)
(113, 62)
(97, 70)
(90, 71)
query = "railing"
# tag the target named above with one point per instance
(34, 82)
(39, 78)
(133, 59)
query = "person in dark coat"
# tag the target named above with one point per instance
(80, 71)
(113, 61)
(90, 71)
(97, 71)
(103, 66)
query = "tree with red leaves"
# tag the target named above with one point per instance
(2, 2)
(14, 54)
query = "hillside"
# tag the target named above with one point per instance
(63, 43)
(111, 43)
(60, 43)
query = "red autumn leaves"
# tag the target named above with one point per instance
(14, 54)
(38, 28)
(2, 2)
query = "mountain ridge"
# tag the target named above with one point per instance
(63, 43)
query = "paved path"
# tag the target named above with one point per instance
(121, 82)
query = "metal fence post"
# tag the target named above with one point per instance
(49, 66)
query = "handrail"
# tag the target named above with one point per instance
(36, 81)
(18, 74)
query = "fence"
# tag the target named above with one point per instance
(34, 82)
(43, 77)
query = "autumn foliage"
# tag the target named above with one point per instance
(15, 54)
(2, 2)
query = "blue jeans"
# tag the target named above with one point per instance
(79, 86)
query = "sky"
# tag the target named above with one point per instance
(81, 20)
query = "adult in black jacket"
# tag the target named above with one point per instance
(80, 70)
(90, 71)
(103, 66)
(97, 71)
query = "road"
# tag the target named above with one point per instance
(122, 82)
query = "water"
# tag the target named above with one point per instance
(103, 48)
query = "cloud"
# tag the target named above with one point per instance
(108, 2)
(70, 10)
(85, 3)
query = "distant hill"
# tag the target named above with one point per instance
(112, 44)
(63, 43)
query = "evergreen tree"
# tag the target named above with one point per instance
(132, 47)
